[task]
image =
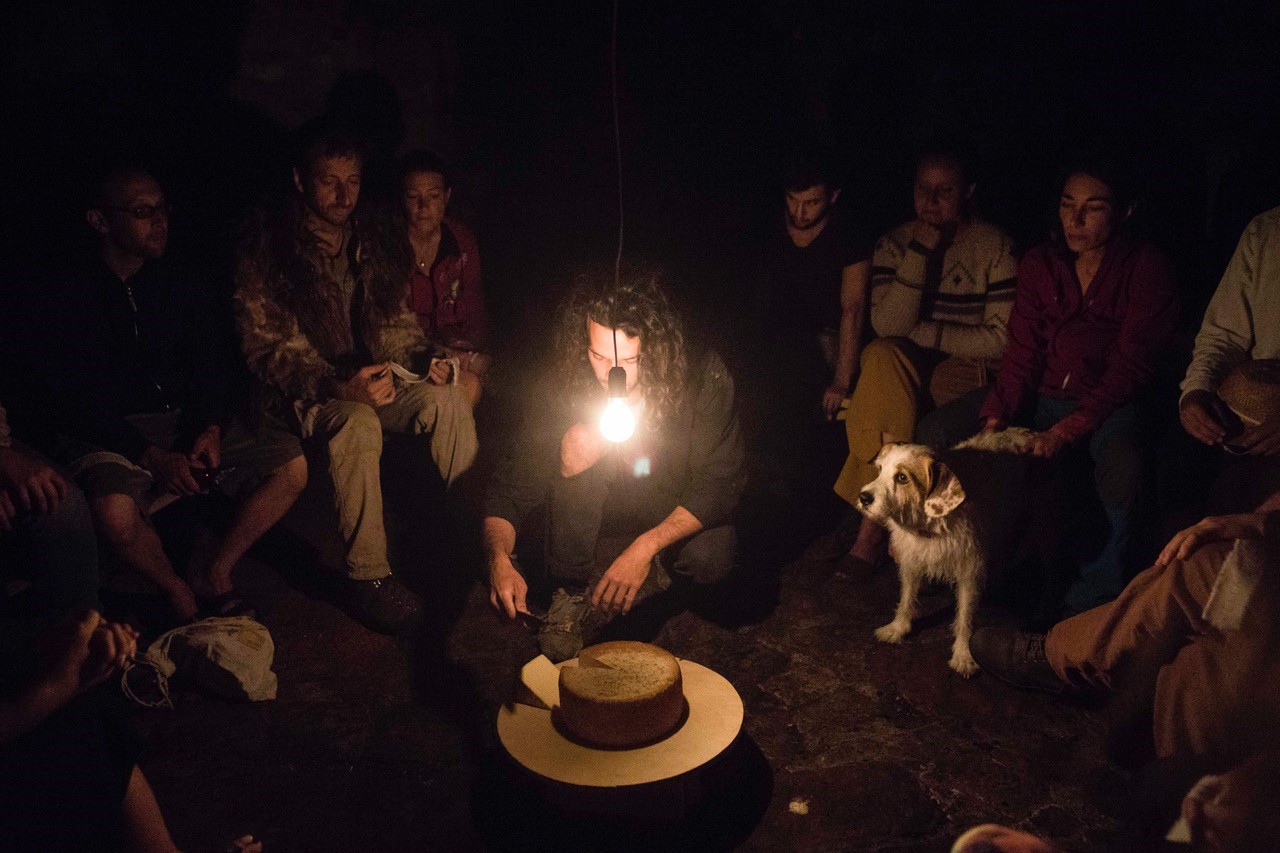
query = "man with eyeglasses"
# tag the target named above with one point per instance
(128, 359)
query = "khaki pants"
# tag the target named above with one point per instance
(350, 435)
(1217, 694)
(898, 383)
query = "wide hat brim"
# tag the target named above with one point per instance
(713, 720)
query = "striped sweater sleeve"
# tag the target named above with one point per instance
(897, 281)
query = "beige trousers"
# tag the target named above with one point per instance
(898, 383)
(1217, 694)
(350, 436)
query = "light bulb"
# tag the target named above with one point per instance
(617, 423)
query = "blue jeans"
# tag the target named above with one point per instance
(1117, 454)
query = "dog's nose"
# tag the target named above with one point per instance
(866, 498)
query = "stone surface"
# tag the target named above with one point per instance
(377, 743)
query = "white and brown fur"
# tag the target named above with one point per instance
(944, 516)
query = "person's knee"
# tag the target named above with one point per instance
(709, 556)
(117, 519)
(356, 428)
(881, 353)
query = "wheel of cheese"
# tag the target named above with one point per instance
(621, 694)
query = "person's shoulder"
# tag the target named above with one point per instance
(462, 232)
(895, 240)
(1267, 221)
(987, 234)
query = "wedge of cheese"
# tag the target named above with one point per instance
(621, 694)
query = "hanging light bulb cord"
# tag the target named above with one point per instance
(617, 143)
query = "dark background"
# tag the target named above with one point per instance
(711, 95)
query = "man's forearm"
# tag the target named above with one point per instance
(678, 525)
(846, 354)
(499, 537)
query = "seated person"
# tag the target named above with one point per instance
(134, 367)
(323, 315)
(444, 286)
(941, 290)
(811, 309)
(1238, 325)
(46, 534)
(1203, 675)
(668, 491)
(68, 766)
(1095, 308)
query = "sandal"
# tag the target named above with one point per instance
(228, 604)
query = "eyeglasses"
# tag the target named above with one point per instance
(144, 211)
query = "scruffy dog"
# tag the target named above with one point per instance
(946, 514)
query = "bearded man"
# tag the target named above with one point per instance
(329, 337)
(665, 495)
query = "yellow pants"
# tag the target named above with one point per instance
(898, 383)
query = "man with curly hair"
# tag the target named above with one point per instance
(326, 328)
(666, 495)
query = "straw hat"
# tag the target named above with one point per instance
(1252, 390)
(711, 725)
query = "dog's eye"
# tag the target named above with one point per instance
(900, 478)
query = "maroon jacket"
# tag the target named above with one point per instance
(449, 301)
(1098, 348)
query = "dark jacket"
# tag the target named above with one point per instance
(1099, 348)
(697, 461)
(94, 349)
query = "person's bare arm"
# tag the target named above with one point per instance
(853, 300)
(617, 589)
(78, 656)
(507, 587)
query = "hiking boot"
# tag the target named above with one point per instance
(1016, 658)
(384, 604)
(572, 621)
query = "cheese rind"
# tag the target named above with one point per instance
(621, 694)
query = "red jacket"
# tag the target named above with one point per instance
(449, 301)
(1098, 348)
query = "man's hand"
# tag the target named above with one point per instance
(580, 448)
(990, 425)
(372, 385)
(507, 587)
(832, 398)
(1260, 440)
(206, 450)
(926, 235)
(440, 372)
(171, 471)
(1215, 528)
(1236, 809)
(80, 655)
(1047, 444)
(616, 591)
(1204, 416)
(27, 484)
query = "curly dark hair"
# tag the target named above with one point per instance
(636, 305)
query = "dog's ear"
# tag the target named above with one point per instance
(946, 493)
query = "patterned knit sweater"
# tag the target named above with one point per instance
(959, 306)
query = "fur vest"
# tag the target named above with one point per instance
(293, 328)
